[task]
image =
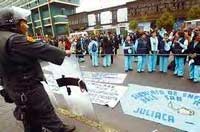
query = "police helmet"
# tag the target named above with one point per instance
(10, 16)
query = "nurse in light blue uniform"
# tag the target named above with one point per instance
(128, 54)
(153, 52)
(190, 50)
(178, 48)
(93, 51)
(194, 51)
(107, 50)
(142, 49)
(164, 51)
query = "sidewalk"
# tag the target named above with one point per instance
(7, 120)
(9, 124)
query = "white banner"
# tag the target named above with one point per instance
(105, 94)
(104, 77)
(169, 107)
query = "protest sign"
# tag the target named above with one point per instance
(104, 77)
(169, 107)
(105, 94)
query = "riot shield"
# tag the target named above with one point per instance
(69, 97)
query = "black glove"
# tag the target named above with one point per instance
(82, 85)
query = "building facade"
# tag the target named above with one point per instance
(146, 12)
(113, 19)
(150, 10)
(48, 17)
(78, 21)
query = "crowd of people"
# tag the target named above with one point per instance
(150, 48)
(183, 45)
(105, 45)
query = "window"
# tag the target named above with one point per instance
(36, 1)
(122, 15)
(183, 5)
(29, 5)
(49, 22)
(91, 19)
(106, 17)
(63, 10)
(178, 5)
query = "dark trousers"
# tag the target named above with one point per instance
(116, 51)
(112, 59)
(49, 121)
(40, 113)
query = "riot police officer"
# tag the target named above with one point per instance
(21, 72)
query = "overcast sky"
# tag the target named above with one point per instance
(88, 5)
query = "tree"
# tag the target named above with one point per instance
(133, 25)
(193, 13)
(166, 21)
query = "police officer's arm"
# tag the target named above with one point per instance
(38, 50)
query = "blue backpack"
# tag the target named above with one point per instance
(94, 47)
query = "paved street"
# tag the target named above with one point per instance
(9, 124)
(114, 117)
(126, 123)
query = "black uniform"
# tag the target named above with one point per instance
(22, 74)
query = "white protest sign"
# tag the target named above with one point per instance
(104, 77)
(105, 94)
(169, 107)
